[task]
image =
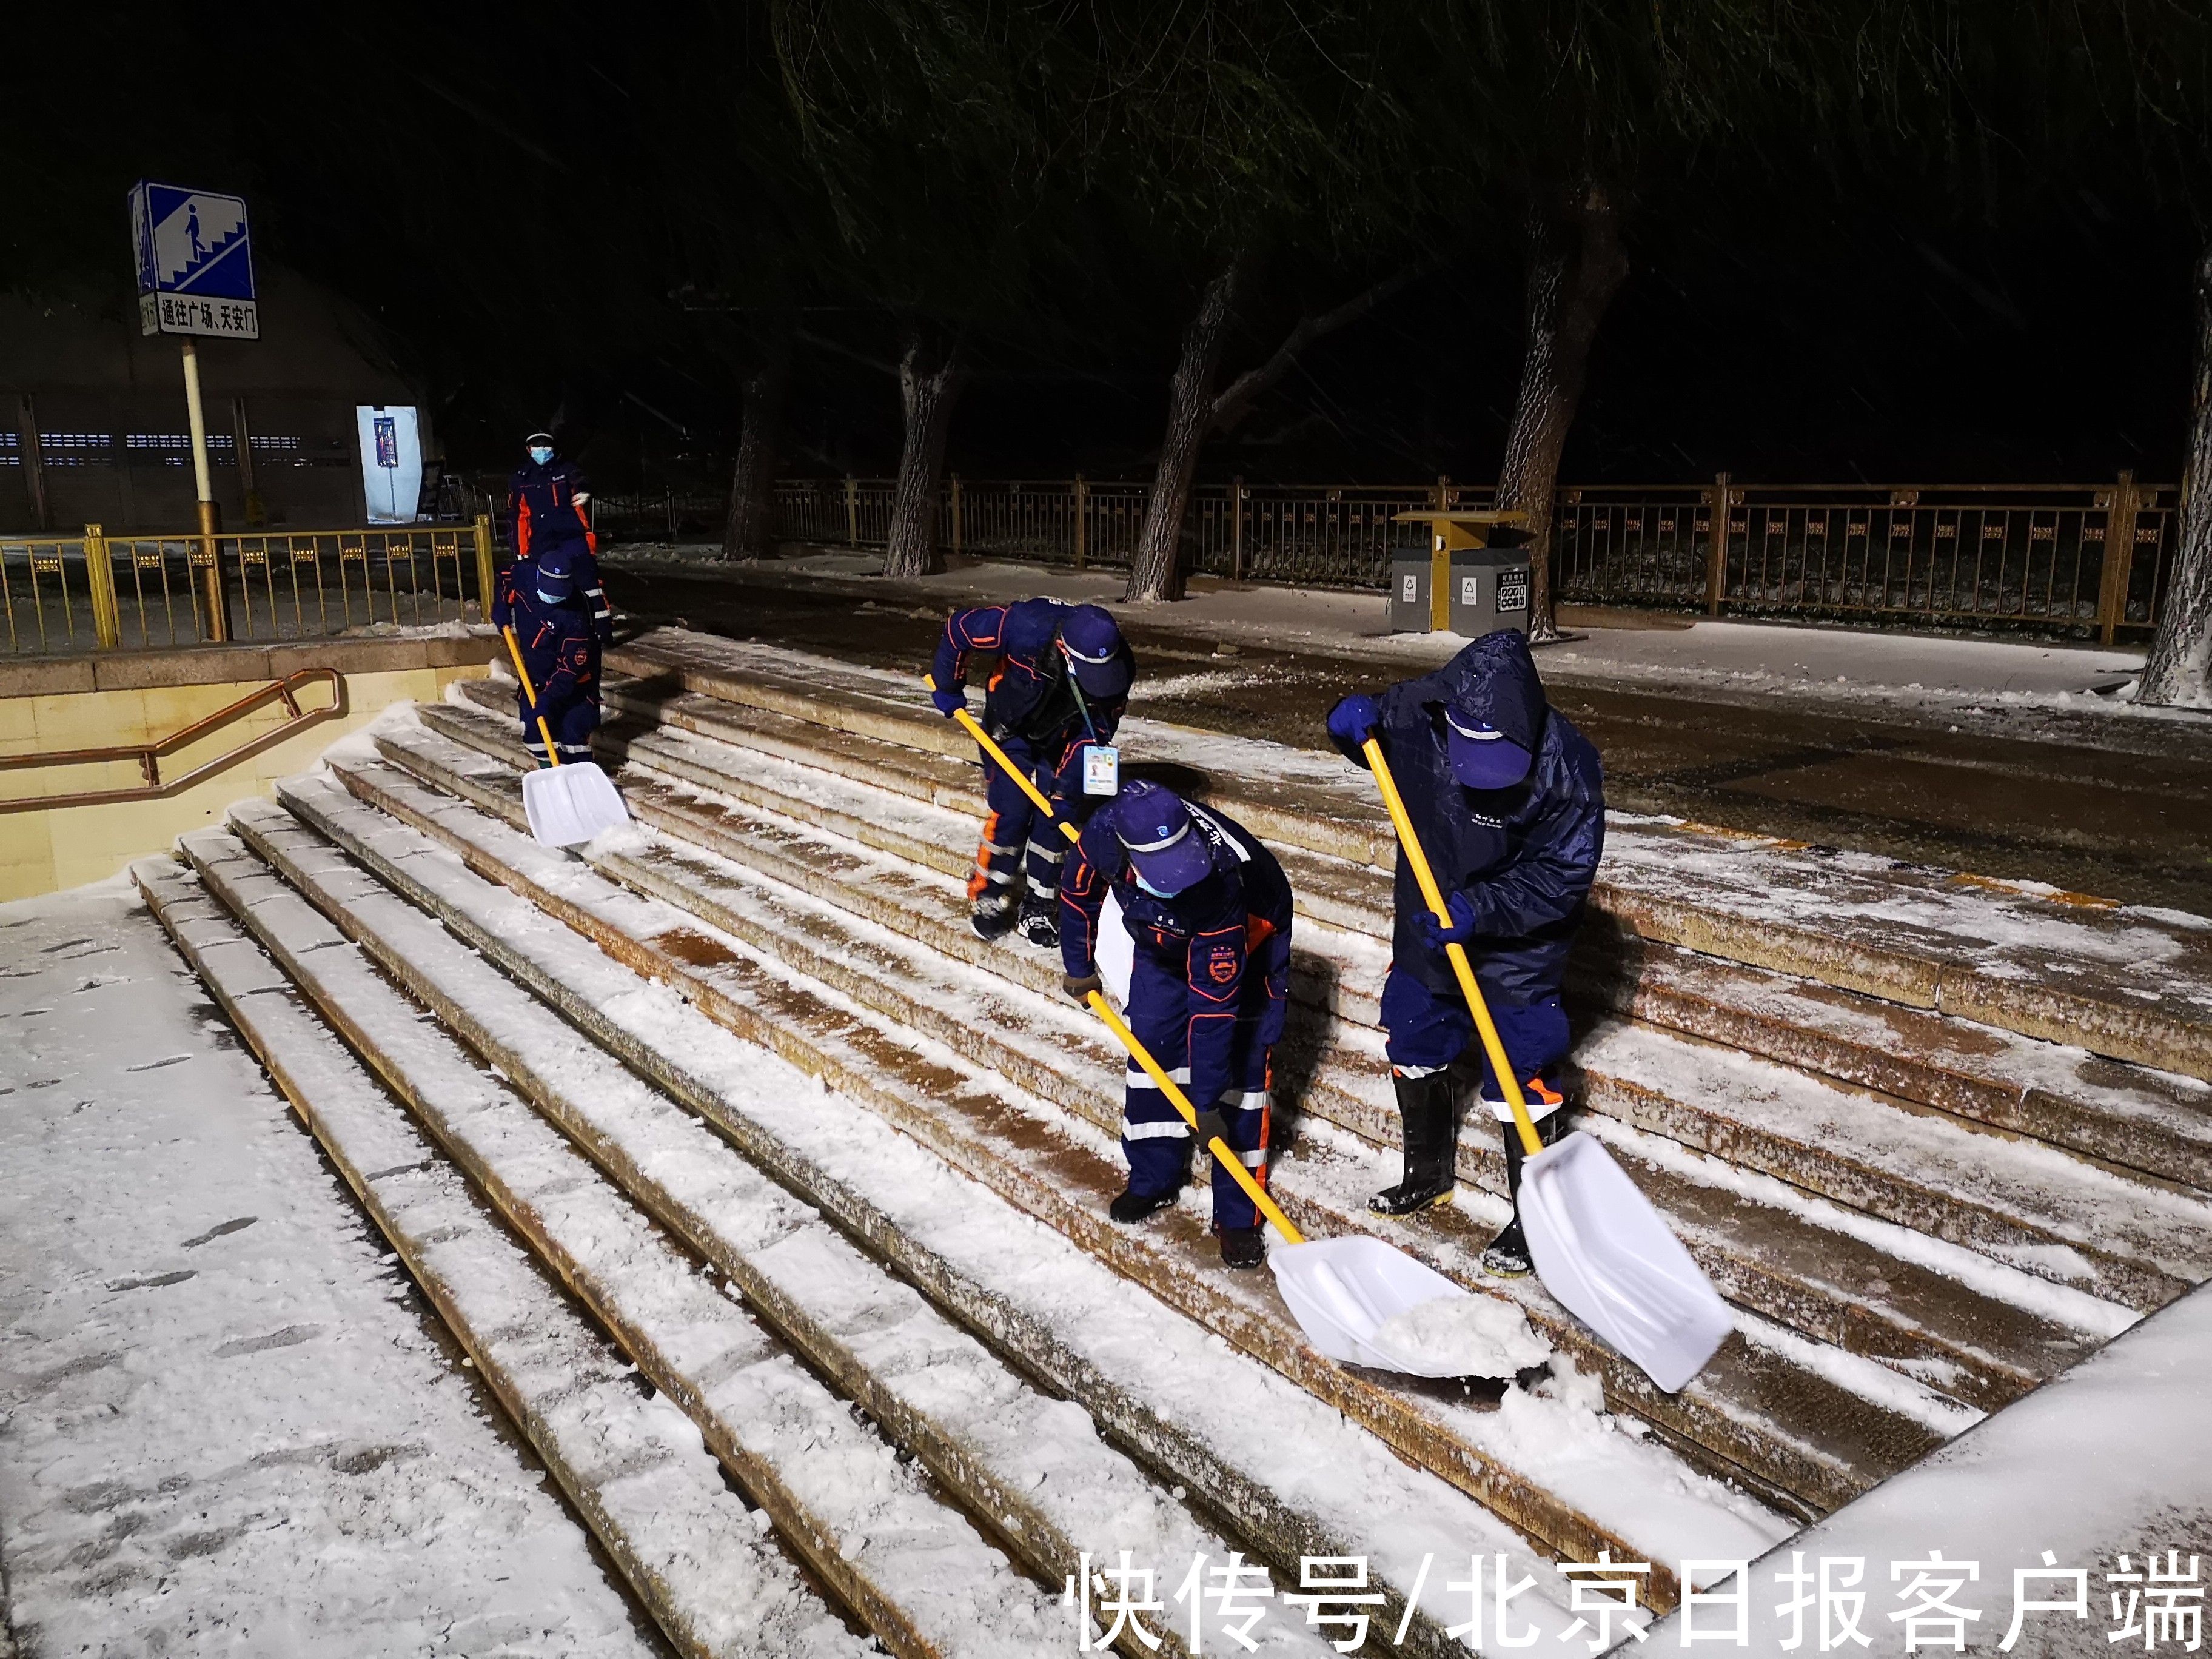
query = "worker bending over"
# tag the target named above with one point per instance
(1057, 695)
(1208, 909)
(1508, 800)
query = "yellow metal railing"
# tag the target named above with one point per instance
(97, 592)
(147, 756)
(2084, 559)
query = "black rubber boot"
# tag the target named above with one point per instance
(1425, 1113)
(1243, 1247)
(1128, 1207)
(1040, 922)
(992, 916)
(1508, 1254)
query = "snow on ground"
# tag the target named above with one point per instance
(2009, 931)
(1930, 677)
(224, 1426)
(2114, 1456)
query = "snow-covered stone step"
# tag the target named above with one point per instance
(1041, 1162)
(1336, 902)
(1833, 1441)
(1769, 1261)
(2154, 1121)
(913, 1567)
(2128, 983)
(1982, 1073)
(2021, 1202)
(1033, 1464)
(632, 1466)
(1184, 1401)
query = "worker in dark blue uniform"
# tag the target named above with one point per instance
(547, 499)
(1052, 704)
(1508, 801)
(1208, 909)
(559, 639)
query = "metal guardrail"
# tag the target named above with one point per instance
(149, 756)
(2060, 558)
(97, 591)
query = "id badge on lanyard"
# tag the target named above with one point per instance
(1102, 770)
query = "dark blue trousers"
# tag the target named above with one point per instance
(1018, 839)
(1154, 1137)
(1425, 1032)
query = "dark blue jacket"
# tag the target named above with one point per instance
(589, 596)
(560, 645)
(1227, 938)
(1525, 856)
(543, 501)
(1031, 694)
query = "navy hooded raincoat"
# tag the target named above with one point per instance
(1524, 856)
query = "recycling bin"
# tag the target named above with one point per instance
(1409, 608)
(1488, 591)
(1458, 581)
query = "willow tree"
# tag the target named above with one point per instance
(2150, 65)
(1256, 155)
(934, 131)
(2017, 111)
(1572, 117)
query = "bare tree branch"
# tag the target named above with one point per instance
(1236, 398)
(839, 348)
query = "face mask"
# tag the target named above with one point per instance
(540, 454)
(1149, 888)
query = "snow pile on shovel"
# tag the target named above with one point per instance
(1461, 1336)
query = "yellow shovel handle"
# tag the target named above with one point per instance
(529, 692)
(1222, 1152)
(1425, 878)
(975, 729)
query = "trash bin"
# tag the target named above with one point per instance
(1458, 581)
(1488, 591)
(1408, 610)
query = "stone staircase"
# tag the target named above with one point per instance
(941, 1378)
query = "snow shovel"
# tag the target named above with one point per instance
(565, 804)
(1597, 1243)
(1341, 1291)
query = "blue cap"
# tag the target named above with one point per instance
(1096, 653)
(1482, 757)
(1164, 845)
(556, 581)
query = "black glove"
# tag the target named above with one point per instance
(1080, 986)
(1212, 1127)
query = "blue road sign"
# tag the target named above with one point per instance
(195, 263)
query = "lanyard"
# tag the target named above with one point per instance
(1076, 686)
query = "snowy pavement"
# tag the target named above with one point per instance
(2000, 756)
(1927, 674)
(225, 1423)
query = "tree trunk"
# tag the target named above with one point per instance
(749, 533)
(2179, 671)
(1575, 265)
(930, 379)
(1156, 571)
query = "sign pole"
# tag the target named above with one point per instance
(211, 571)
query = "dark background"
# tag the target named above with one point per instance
(1869, 339)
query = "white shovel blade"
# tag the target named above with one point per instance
(1116, 955)
(1342, 1290)
(571, 803)
(1602, 1250)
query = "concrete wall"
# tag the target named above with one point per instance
(127, 698)
(110, 404)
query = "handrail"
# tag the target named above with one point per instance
(148, 755)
